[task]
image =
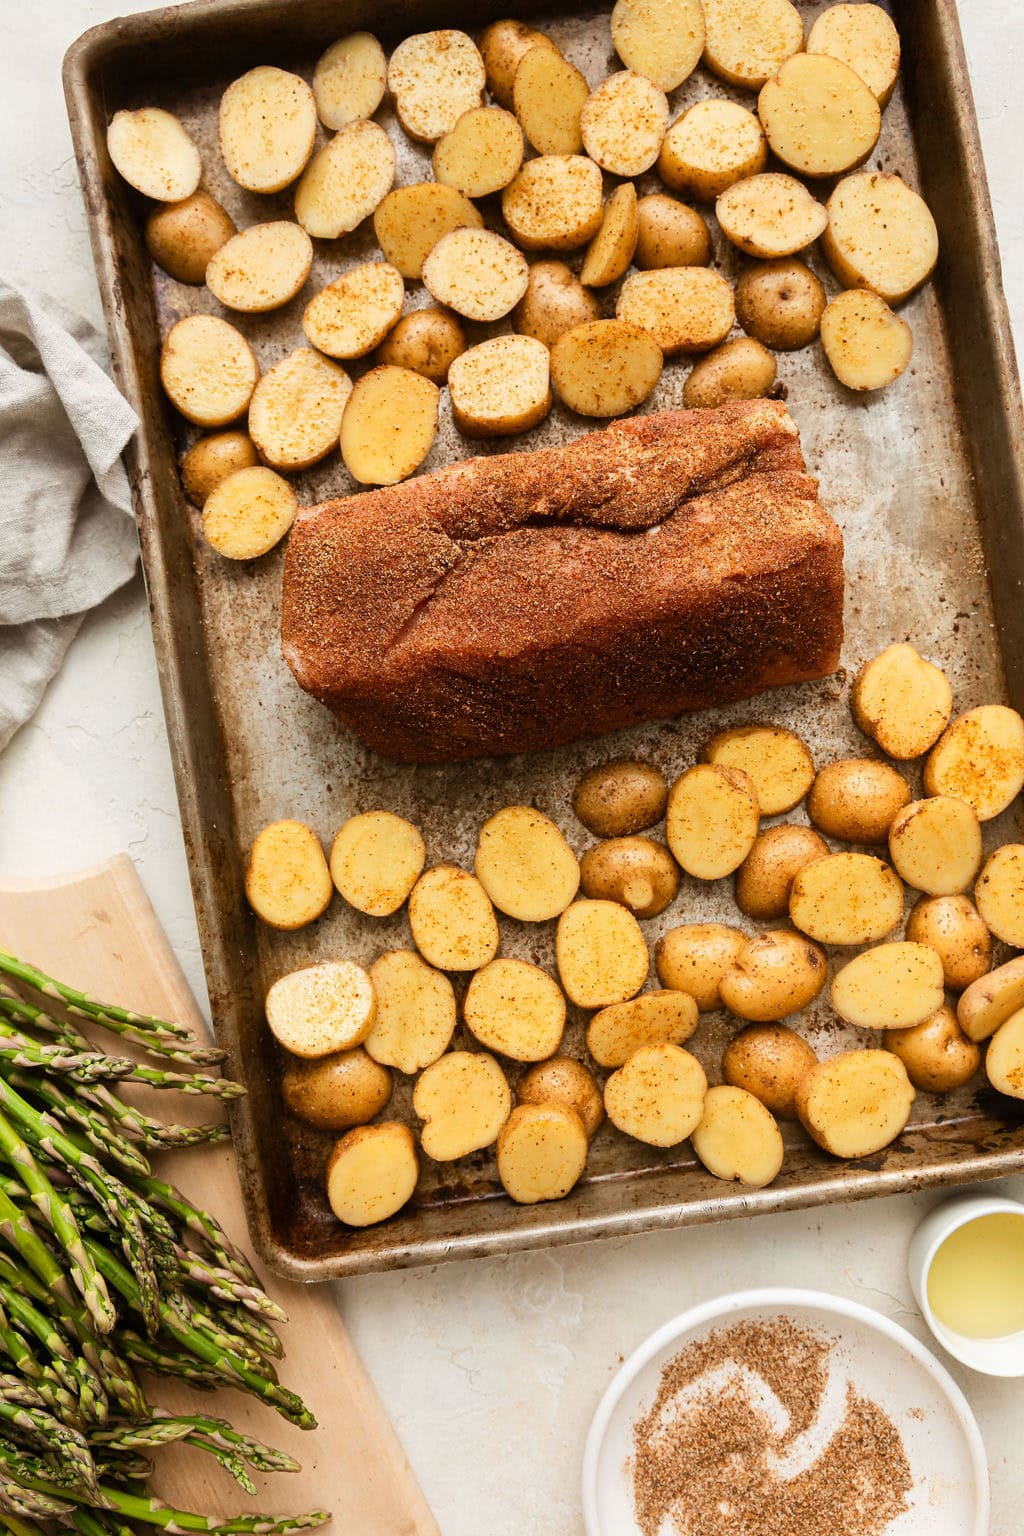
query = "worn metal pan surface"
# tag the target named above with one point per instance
(926, 480)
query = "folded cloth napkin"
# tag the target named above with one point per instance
(67, 537)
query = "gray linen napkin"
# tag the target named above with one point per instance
(67, 538)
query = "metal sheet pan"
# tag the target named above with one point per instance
(926, 480)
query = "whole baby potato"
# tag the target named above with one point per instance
(333, 1093)
(855, 800)
(671, 234)
(636, 871)
(954, 928)
(619, 798)
(212, 459)
(937, 1054)
(182, 237)
(765, 878)
(563, 1080)
(769, 1061)
(774, 974)
(694, 957)
(428, 341)
(555, 301)
(780, 303)
(741, 369)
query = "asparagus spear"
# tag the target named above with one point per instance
(195, 1055)
(87, 1007)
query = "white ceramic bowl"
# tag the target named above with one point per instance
(940, 1435)
(993, 1357)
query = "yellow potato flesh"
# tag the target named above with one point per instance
(416, 1013)
(389, 425)
(893, 986)
(712, 820)
(516, 1009)
(376, 859)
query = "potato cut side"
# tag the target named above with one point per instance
(770, 215)
(662, 39)
(154, 153)
(322, 1008)
(601, 953)
(565, 1081)
(712, 820)
(372, 1173)
(670, 234)
(846, 898)
(683, 309)
(389, 425)
(893, 986)
(296, 410)
(856, 1103)
(864, 37)
(654, 1018)
(346, 181)
(482, 152)
(542, 1151)
(902, 701)
(349, 80)
(818, 116)
(555, 301)
(775, 759)
(525, 864)
(502, 46)
(937, 1054)
(353, 314)
(953, 926)
(411, 220)
(880, 235)
(657, 1096)
(765, 878)
(334, 1093)
(989, 1001)
(605, 367)
(267, 125)
(376, 859)
(249, 513)
(749, 40)
(624, 122)
(548, 95)
(713, 144)
(611, 250)
(434, 78)
(261, 268)
(775, 974)
(1004, 1059)
(452, 920)
(935, 845)
(463, 1100)
(556, 202)
(740, 369)
(516, 1009)
(500, 387)
(980, 759)
(781, 303)
(999, 894)
(212, 459)
(182, 237)
(287, 881)
(737, 1138)
(770, 1061)
(637, 871)
(867, 345)
(620, 798)
(857, 799)
(416, 1013)
(477, 273)
(208, 370)
(694, 957)
(428, 341)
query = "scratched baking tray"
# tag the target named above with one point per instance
(925, 479)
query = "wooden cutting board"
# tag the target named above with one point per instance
(96, 929)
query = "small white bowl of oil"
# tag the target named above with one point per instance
(966, 1269)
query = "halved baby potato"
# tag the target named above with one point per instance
(1004, 1059)
(765, 878)
(683, 309)
(856, 1103)
(334, 1093)
(738, 1138)
(267, 126)
(770, 215)
(748, 40)
(714, 143)
(611, 250)
(525, 864)
(694, 957)
(712, 820)
(321, 1009)
(653, 1018)
(542, 1151)
(416, 1012)
(452, 920)
(605, 367)
(864, 37)
(516, 1009)
(428, 341)
(623, 123)
(953, 927)
(769, 1061)
(937, 1054)
(657, 1096)
(501, 386)
(980, 759)
(249, 513)
(601, 953)
(502, 46)
(935, 845)
(670, 234)
(819, 117)
(376, 859)
(556, 202)
(637, 871)
(892, 986)
(846, 898)
(773, 975)
(856, 799)
(463, 1099)
(372, 1173)
(902, 701)
(866, 344)
(296, 410)
(477, 273)
(154, 153)
(662, 39)
(555, 301)
(346, 181)
(182, 237)
(999, 894)
(740, 369)
(880, 235)
(389, 425)
(776, 760)
(563, 1080)
(411, 220)
(989, 1001)
(208, 370)
(287, 882)
(349, 80)
(548, 95)
(482, 152)
(211, 459)
(353, 314)
(618, 798)
(434, 78)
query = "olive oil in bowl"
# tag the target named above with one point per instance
(976, 1279)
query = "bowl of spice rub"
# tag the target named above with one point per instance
(784, 1413)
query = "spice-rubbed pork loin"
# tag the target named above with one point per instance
(671, 562)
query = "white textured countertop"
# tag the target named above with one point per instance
(490, 1370)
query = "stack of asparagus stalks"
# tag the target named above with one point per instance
(106, 1270)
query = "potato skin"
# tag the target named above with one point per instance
(565, 1081)
(954, 928)
(182, 237)
(740, 369)
(502, 45)
(775, 974)
(937, 1054)
(780, 303)
(636, 871)
(555, 301)
(856, 799)
(671, 234)
(211, 459)
(427, 341)
(620, 798)
(337, 1092)
(765, 878)
(769, 1061)
(694, 957)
